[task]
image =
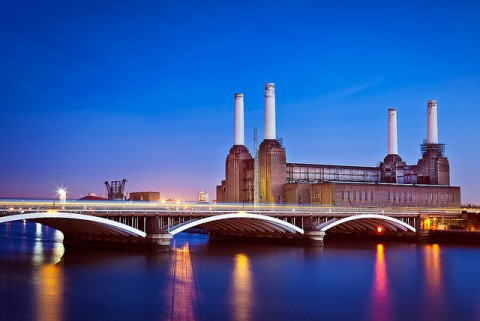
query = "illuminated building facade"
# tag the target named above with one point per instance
(391, 183)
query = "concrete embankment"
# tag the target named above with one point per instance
(454, 237)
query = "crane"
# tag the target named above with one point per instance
(115, 190)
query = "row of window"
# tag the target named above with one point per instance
(443, 197)
(353, 195)
(399, 194)
(350, 196)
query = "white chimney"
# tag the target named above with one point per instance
(238, 130)
(392, 132)
(270, 130)
(432, 126)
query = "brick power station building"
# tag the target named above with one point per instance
(393, 183)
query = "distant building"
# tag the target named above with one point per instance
(93, 197)
(391, 183)
(145, 196)
(202, 197)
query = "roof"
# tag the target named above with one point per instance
(93, 198)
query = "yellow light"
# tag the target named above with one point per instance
(51, 211)
(379, 229)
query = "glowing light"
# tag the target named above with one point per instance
(62, 194)
(379, 229)
(426, 224)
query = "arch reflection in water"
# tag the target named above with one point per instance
(38, 257)
(242, 288)
(380, 290)
(182, 293)
(49, 278)
(42, 250)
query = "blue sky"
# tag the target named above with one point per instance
(143, 90)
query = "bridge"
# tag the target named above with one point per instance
(154, 223)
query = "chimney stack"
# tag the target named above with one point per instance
(238, 131)
(270, 131)
(392, 132)
(432, 126)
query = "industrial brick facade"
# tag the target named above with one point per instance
(392, 183)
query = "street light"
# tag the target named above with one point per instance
(62, 194)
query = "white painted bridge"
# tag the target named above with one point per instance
(157, 223)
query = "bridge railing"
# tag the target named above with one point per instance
(120, 207)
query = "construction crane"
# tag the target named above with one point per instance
(115, 190)
(255, 166)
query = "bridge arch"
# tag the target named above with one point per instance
(367, 221)
(243, 222)
(87, 224)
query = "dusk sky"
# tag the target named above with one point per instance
(143, 90)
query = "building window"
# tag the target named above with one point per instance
(441, 197)
(399, 196)
(360, 196)
(348, 195)
(426, 197)
(371, 196)
(354, 196)
(394, 196)
(452, 196)
(410, 196)
(389, 196)
(405, 196)
(436, 197)
(366, 196)
(431, 197)
(343, 195)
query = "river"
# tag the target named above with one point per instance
(199, 279)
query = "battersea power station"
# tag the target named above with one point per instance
(268, 178)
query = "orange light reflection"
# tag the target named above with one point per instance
(242, 288)
(380, 291)
(50, 287)
(182, 293)
(433, 274)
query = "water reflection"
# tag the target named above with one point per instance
(380, 290)
(41, 249)
(182, 292)
(242, 288)
(49, 283)
(38, 246)
(433, 274)
(49, 278)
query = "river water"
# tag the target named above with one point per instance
(213, 280)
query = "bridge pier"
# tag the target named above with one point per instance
(315, 236)
(156, 237)
(159, 240)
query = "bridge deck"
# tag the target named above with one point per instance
(153, 208)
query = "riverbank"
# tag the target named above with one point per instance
(454, 237)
